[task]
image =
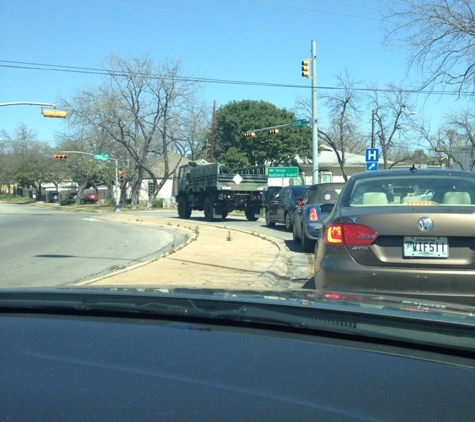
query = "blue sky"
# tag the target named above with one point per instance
(235, 40)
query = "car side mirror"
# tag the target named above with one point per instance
(327, 208)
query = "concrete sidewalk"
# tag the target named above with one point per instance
(213, 257)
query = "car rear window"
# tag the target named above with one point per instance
(414, 190)
(299, 191)
(324, 194)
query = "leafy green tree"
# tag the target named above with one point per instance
(236, 118)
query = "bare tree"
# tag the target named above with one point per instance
(191, 131)
(441, 35)
(457, 140)
(139, 108)
(343, 134)
(391, 120)
(432, 141)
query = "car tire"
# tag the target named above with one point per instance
(306, 243)
(288, 222)
(269, 222)
(294, 234)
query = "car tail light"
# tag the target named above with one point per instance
(349, 234)
(313, 216)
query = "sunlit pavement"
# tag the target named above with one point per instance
(213, 257)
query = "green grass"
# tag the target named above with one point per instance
(9, 197)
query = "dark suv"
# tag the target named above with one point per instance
(281, 209)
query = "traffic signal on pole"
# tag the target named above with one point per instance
(274, 131)
(306, 68)
(60, 156)
(250, 134)
(58, 113)
(121, 176)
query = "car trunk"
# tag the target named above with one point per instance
(401, 243)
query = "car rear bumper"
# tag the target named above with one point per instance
(341, 273)
(312, 230)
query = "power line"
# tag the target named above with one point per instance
(108, 72)
(311, 9)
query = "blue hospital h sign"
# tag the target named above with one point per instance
(372, 155)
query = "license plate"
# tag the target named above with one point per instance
(426, 247)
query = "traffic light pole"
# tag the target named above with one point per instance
(117, 190)
(56, 112)
(314, 114)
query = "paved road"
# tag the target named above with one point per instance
(43, 247)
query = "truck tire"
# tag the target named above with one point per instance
(250, 215)
(208, 209)
(184, 211)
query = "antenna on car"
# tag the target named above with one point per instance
(413, 168)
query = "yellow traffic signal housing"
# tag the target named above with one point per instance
(274, 131)
(59, 113)
(306, 68)
(60, 156)
(250, 134)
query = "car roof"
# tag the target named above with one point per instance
(412, 171)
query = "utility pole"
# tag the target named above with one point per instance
(213, 129)
(313, 53)
(309, 71)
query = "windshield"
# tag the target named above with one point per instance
(163, 149)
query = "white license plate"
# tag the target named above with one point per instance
(426, 247)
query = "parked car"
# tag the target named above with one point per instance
(308, 218)
(91, 197)
(87, 197)
(53, 196)
(281, 209)
(401, 232)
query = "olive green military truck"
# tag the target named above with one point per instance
(217, 190)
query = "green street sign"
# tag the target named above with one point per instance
(275, 172)
(100, 157)
(298, 123)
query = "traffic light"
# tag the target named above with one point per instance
(60, 113)
(60, 156)
(306, 68)
(121, 176)
(250, 134)
(274, 131)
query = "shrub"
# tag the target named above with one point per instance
(157, 203)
